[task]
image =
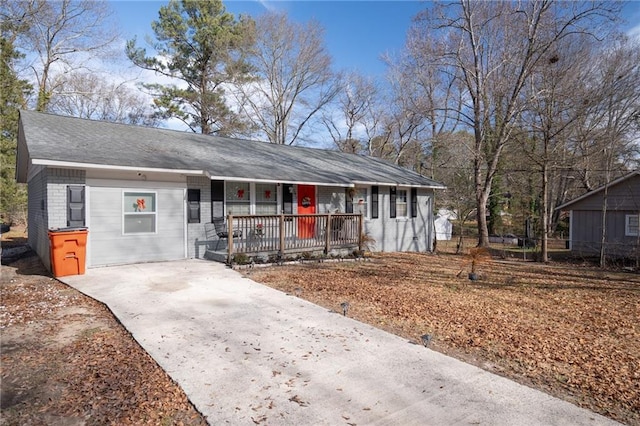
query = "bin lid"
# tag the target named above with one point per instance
(69, 229)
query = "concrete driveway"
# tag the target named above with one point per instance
(246, 354)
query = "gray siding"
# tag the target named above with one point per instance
(586, 233)
(403, 234)
(623, 199)
(390, 234)
(107, 243)
(196, 237)
(623, 196)
(38, 220)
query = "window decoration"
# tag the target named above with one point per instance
(139, 212)
(360, 203)
(266, 200)
(238, 198)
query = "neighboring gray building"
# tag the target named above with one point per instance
(622, 212)
(146, 193)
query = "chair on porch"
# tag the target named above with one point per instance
(218, 228)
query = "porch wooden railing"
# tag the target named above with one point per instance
(289, 233)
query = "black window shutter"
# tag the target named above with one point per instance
(75, 205)
(392, 202)
(374, 202)
(287, 198)
(348, 200)
(193, 205)
(414, 202)
(217, 199)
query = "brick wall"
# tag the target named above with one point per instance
(47, 206)
(57, 182)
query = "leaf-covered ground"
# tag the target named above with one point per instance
(568, 330)
(65, 360)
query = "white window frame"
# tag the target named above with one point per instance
(628, 230)
(407, 202)
(254, 198)
(249, 201)
(126, 214)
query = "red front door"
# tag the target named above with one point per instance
(306, 205)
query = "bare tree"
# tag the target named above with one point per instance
(294, 80)
(66, 35)
(356, 103)
(619, 111)
(494, 47)
(87, 95)
(455, 169)
(557, 98)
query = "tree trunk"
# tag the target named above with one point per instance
(483, 230)
(603, 238)
(544, 256)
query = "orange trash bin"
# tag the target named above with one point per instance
(68, 251)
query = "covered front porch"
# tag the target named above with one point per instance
(275, 238)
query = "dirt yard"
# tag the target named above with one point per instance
(568, 330)
(65, 360)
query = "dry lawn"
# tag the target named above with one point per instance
(571, 331)
(65, 360)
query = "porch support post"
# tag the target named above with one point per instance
(282, 233)
(327, 235)
(360, 232)
(230, 238)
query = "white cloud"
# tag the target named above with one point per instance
(269, 5)
(634, 32)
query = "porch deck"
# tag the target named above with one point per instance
(277, 236)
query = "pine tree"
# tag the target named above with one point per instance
(202, 47)
(13, 92)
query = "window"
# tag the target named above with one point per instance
(360, 204)
(193, 205)
(631, 225)
(238, 198)
(266, 198)
(140, 212)
(374, 202)
(401, 203)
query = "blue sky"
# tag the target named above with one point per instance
(357, 33)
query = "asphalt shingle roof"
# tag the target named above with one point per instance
(73, 140)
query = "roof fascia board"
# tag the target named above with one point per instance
(72, 165)
(406, 185)
(244, 179)
(342, 185)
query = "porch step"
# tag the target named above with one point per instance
(216, 256)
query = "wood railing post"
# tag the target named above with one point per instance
(230, 239)
(282, 232)
(360, 232)
(327, 235)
